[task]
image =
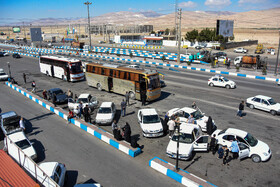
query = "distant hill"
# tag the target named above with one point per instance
(190, 19)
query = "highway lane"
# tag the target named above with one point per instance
(86, 157)
(219, 103)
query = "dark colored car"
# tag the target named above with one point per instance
(61, 97)
(198, 47)
(15, 55)
(1, 54)
(218, 54)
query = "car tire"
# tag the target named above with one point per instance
(62, 77)
(211, 84)
(273, 112)
(227, 86)
(256, 158)
(251, 106)
(99, 87)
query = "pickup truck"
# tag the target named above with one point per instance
(240, 50)
(9, 122)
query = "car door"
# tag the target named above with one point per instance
(264, 105)
(244, 150)
(215, 81)
(201, 144)
(220, 82)
(257, 103)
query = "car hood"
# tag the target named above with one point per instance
(48, 167)
(151, 126)
(30, 151)
(231, 82)
(261, 147)
(184, 148)
(276, 106)
(101, 117)
(172, 111)
(61, 97)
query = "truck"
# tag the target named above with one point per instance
(9, 122)
(250, 61)
(259, 49)
(78, 44)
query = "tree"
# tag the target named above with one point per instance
(167, 31)
(231, 37)
(205, 35)
(191, 36)
(173, 31)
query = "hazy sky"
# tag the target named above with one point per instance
(28, 10)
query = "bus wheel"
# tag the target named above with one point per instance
(132, 95)
(99, 87)
(62, 77)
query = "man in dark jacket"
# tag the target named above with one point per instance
(127, 133)
(240, 109)
(213, 144)
(87, 113)
(54, 99)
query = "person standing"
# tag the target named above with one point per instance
(24, 78)
(21, 124)
(225, 159)
(114, 125)
(45, 95)
(127, 133)
(54, 99)
(123, 108)
(194, 105)
(33, 85)
(234, 149)
(213, 144)
(177, 120)
(209, 125)
(87, 113)
(80, 109)
(240, 109)
(171, 127)
(166, 118)
(70, 94)
(127, 98)
(143, 97)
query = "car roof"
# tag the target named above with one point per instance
(8, 114)
(54, 89)
(263, 97)
(106, 104)
(85, 95)
(187, 109)
(149, 111)
(236, 132)
(48, 167)
(17, 136)
(187, 128)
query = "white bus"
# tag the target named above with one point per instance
(69, 69)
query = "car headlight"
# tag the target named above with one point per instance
(265, 154)
(145, 131)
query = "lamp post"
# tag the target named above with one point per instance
(276, 65)
(9, 69)
(177, 133)
(88, 3)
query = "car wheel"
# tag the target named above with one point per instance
(132, 95)
(273, 112)
(62, 77)
(99, 87)
(211, 84)
(251, 106)
(227, 86)
(256, 158)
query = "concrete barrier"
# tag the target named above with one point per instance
(184, 177)
(89, 128)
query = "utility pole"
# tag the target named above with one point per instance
(176, 25)
(276, 65)
(24, 30)
(88, 3)
(179, 36)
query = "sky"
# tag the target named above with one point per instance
(12, 11)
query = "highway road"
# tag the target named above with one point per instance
(182, 89)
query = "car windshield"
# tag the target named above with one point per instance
(184, 138)
(2, 73)
(153, 82)
(151, 119)
(222, 132)
(23, 144)
(226, 80)
(76, 67)
(83, 100)
(197, 114)
(271, 102)
(58, 92)
(104, 110)
(251, 140)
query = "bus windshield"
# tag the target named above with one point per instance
(75, 67)
(153, 82)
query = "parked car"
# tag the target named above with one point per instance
(106, 113)
(221, 81)
(221, 59)
(278, 83)
(198, 47)
(5, 54)
(86, 99)
(249, 146)
(220, 53)
(3, 75)
(150, 122)
(61, 97)
(240, 50)
(9, 122)
(56, 171)
(134, 66)
(16, 55)
(190, 140)
(101, 42)
(18, 137)
(184, 113)
(263, 103)
(1, 54)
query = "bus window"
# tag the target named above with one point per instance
(111, 72)
(127, 75)
(102, 71)
(93, 69)
(132, 77)
(136, 77)
(153, 82)
(75, 68)
(117, 73)
(122, 74)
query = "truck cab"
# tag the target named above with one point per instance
(9, 122)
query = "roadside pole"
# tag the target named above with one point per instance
(277, 59)
(179, 37)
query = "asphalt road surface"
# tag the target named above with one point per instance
(182, 89)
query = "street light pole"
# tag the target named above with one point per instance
(10, 75)
(177, 133)
(88, 3)
(276, 65)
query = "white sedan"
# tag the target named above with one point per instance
(150, 122)
(19, 138)
(86, 99)
(263, 103)
(221, 82)
(56, 171)
(185, 112)
(3, 76)
(240, 50)
(190, 139)
(106, 113)
(249, 146)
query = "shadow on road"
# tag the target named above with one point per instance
(40, 150)
(71, 177)
(194, 160)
